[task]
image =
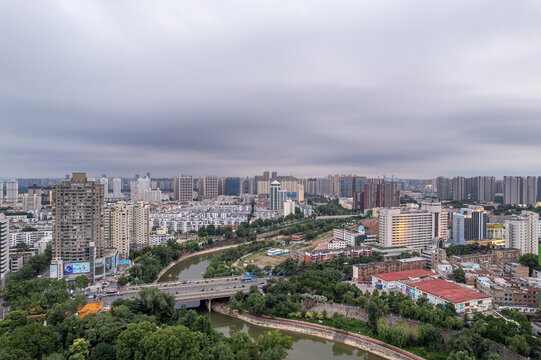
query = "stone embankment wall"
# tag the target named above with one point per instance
(358, 341)
(393, 320)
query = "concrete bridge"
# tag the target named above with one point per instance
(193, 290)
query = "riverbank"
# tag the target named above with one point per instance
(361, 342)
(198, 253)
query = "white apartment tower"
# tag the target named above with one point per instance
(105, 182)
(117, 187)
(12, 191)
(4, 248)
(522, 232)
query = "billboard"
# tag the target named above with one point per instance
(110, 265)
(54, 271)
(77, 268)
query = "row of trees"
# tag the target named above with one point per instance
(147, 327)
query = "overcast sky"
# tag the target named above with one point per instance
(411, 88)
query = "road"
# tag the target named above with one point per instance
(191, 290)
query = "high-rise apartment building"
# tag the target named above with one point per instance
(378, 194)
(77, 231)
(413, 228)
(208, 187)
(12, 191)
(117, 188)
(522, 232)
(444, 188)
(31, 202)
(469, 224)
(127, 226)
(519, 190)
(512, 190)
(458, 188)
(105, 182)
(183, 188)
(483, 188)
(4, 248)
(118, 228)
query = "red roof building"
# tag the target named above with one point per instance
(438, 291)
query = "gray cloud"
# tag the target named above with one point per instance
(307, 88)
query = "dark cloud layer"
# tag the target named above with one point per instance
(415, 89)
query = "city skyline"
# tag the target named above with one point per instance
(309, 88)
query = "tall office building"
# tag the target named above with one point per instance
(222, 186)
(12, 191)
(4, 248)
(1, 191)
(277, 196)
(413, 228)
(208, 187)
(232, 186)
(183, 188)
(522, 232)
(77, 231)
(117, 187)
(469, 224)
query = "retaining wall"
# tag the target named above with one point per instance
(358, 341)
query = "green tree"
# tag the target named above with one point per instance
(79, 350)
(34, 339)
(123, 280)
(103, 351)
(81, 282)
(459, 275)
(519, 344)
(156, 302)
(129, 342)
(175, 342)
(274, 345)
(374, 313)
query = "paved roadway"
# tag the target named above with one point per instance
(192, 290)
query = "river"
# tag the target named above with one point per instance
(305, 347)
(189, 269)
